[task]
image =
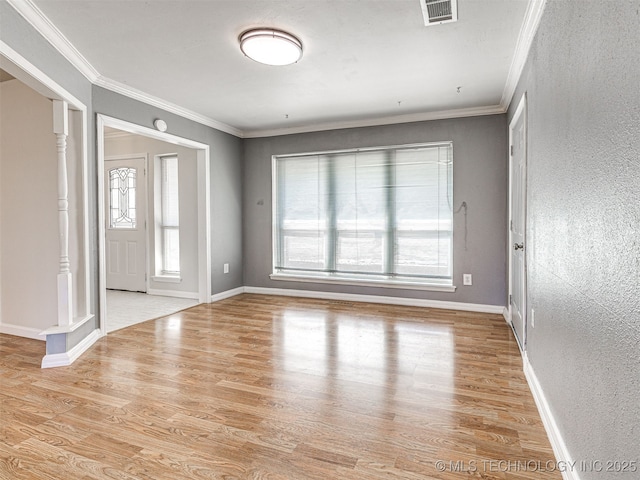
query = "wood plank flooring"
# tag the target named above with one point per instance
(260, 387)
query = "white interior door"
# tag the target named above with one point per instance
(517, 280)
(125, 216)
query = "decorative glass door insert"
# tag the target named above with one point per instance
(122, 196)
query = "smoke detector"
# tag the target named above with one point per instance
(436, 12)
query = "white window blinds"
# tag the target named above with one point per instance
(378, 213)
(170, 224)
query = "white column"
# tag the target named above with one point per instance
(61, 130)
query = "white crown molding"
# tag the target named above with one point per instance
(141, 96)
(535, 9)
(371, 122)
(38, 20)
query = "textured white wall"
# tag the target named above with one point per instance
(581, 81)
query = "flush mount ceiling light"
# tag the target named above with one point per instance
(271, 47)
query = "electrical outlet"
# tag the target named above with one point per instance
(533, 318)
(226, 268)
(467, 279)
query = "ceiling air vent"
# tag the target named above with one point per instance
(436, 12)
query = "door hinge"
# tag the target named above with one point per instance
(512, 150)
(511, 225)
(510, 299)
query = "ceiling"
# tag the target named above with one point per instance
(365, 61)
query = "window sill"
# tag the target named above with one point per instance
(166, 278)
(399, 284)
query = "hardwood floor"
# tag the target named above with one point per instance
(259, 387)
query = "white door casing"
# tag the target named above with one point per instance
(517, 223)
(125, 223)
(203, 187)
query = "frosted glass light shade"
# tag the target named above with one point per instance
(271, 47)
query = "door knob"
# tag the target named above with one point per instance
(518, 246)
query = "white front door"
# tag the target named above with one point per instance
(517, 168)
(126, 207)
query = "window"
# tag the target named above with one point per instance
(380, 215)
(122, 193)
(169, 217)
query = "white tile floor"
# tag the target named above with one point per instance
(128, 308)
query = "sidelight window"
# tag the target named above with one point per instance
(169, 218)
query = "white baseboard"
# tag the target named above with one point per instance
(67, 358)
(20, 331)
(227, 294)
(505, 314)
(173, 293)
(351, 297)
(553, 432)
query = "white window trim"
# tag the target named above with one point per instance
(334, 279)
(167, 278)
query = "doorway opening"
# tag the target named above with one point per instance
(154, 223)
(45, 273)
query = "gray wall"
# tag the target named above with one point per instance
(581, 81)
(16, 32)
(480, 179)
(20, 36)
(226, 178)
